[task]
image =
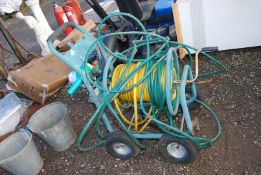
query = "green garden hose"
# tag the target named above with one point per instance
(163, 59)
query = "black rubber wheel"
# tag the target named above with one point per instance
(177, 150)
(119, 145)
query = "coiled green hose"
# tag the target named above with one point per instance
(161, 101)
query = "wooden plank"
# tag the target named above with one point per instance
(175, 10)
(3, 72)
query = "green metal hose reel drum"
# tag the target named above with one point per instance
(124, 141)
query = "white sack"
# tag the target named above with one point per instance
(9, 6)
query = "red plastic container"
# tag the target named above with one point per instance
(71, 15)
(76, 6)
(61, 17)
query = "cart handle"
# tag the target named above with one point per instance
(60, 30)
(57, 33)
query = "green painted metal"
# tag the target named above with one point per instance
(165, 56)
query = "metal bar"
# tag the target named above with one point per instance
(147, 136)
(99, 10)
(15, 47)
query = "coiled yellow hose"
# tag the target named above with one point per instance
(134, 96)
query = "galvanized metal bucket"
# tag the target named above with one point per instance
(19, 155)
(52, 123)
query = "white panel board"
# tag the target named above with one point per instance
(227, 24)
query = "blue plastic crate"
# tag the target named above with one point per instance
(162, 15)
(164, 7)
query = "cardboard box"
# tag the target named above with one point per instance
(40, 78)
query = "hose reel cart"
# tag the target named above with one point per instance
(138, 96)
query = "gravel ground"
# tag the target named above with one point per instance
(234, 95)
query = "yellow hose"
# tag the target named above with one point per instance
(133, 95)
